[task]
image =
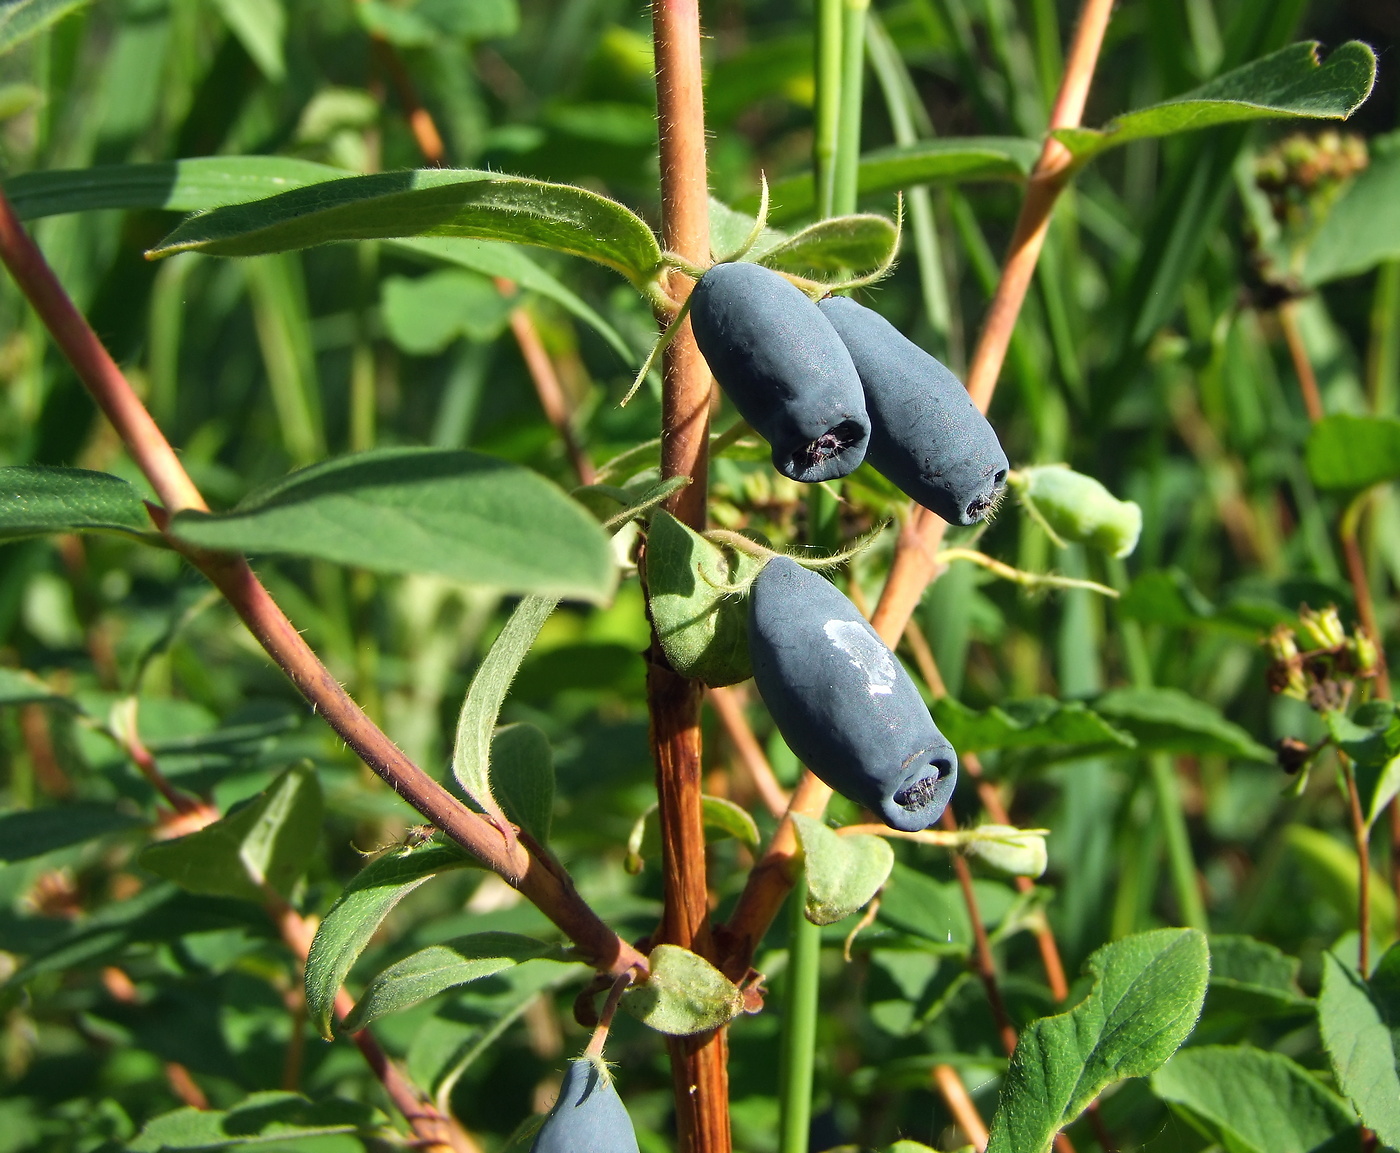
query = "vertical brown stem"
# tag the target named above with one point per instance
(1361, 839)
(698, 1064)
(1307, 379)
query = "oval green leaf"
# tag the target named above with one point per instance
(843, 873)
(35, 500)
(460, 515)
(1346, 453)
(684, 994)
(429, 202)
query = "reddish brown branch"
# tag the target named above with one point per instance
(961, 1106)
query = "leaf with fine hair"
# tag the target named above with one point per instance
(358, 913)
(429, 202)
(843, 872)
(461, 515)
(430, 971)
(1358, 1019)
(36, 500)
(476, 723)
(839, 245)
(683, 994)
(1291, 83)
(1146, 996)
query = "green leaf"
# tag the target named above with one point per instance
(1347, 452)
(1290, 83)
(945, 161)
(260, 26)
(429, 971)
(1170, 720)
(1146, 995)
(1362, 227)
(460, 515)
(18, 687)
(429, 202)
(26, 833)
(843, 873)
(267, 842)
(684, 994)
(426, 314)
(202, 183)
(358, 913)
(447, 1043)
(21, 19)
(841, 244)
(1253, 978)
(702, 625)
(522, 777)
(1037, 722)
(476, 723)
(1361, 1047)
(1371, 738)
(36, 499)
(1250, 1100)
(930, 909)
(194, 185)
(719, 816)
(267, 1118)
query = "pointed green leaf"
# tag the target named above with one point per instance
(429, 971)
(36, 499)
(1250, 1100)
(1359, 1041)
(425, 314)
(839, 245)
(1145, 999)
(1037, 722)
(201, 183)
(271, 1117)
(429, 202)
(945, 161)
(1290, 83)
(1362, 227)
(1173, 721)
(461, 515)
(358, 913)
(843, 873)
(267, 842)
(476, 723)
(522, 777)
(701, 623)
(21, 19)
(684, 994)
(1253, 978)
(1348, 452)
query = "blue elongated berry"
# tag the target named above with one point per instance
(781, 363)
(842, 700)
(588, 1117)
(926, 435)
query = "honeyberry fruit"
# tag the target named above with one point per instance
(784, 367)
(926, 435)
(843, 702)
(588, 1117)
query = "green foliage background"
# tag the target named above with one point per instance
(1149, 356)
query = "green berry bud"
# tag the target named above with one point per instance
(1079, 509)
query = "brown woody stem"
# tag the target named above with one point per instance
(699, 1070)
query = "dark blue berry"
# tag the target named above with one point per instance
(926, 435)
(842, 700)
(781, 363)
(588, 1117)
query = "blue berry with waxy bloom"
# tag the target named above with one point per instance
(784, 367)
(926, 435)
(842, 700)
(589, 1116)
